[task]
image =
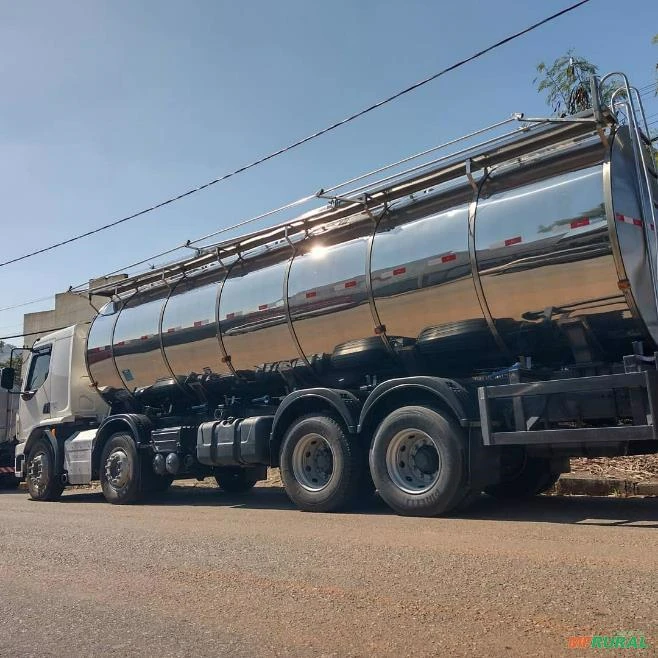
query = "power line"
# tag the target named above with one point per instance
(287, 206)
(44, 331)
(32, 301)
(189, 243)
(298, 202)
(306, 139)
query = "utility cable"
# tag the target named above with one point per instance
(304, 140)
(43, 331)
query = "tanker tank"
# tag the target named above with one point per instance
(542, 253)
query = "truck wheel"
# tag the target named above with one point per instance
(236, 480)
(320, 465)
(120, 470)
(532, 477)
(42, 483)
(416, 461)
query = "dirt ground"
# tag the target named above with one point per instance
(639, 468)
(204, 573)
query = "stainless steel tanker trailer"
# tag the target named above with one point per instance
(463, 326)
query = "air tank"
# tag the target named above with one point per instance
(546, 255)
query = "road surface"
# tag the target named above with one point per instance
(207, 574)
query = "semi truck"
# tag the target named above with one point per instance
(465, 325)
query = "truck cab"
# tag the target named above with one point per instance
(57, 393)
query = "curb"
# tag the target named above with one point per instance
(571, 484)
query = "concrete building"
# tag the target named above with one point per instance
(70, 308)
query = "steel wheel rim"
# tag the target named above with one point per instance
(412, 461)
(117, 468)
(39, 471)
(312, 462)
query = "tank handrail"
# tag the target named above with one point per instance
(420, 154)
(302, 201)
(633, 98)
(519, 117)
(500, 149)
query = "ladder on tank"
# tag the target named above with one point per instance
(628, 98)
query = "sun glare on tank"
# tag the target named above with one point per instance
(319, 251)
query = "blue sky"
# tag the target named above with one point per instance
(110, 106)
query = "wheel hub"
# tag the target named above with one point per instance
(412, 461)
(427, 460)
(117, 469)
(312, 462)
(37, 471)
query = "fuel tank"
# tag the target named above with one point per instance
(546, 256)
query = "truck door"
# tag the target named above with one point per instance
(35, 396)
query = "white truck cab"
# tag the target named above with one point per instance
(57, 394)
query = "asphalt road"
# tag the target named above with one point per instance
(206, 574)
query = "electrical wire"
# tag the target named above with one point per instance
(304, 140)
(42, 332)
(32, 301)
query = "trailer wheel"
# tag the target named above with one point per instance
(532, 477)
(42, 483)
(416, 461)
(120, 470)
(320, 464)
(236, 480)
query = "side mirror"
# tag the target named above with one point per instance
(7, 378)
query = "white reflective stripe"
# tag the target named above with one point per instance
(628, 220)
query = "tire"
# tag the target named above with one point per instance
(362, 352)
(121, 470)
(429, 483)
(321, 465)
(532, 478)
(42, 483)
(238, 480)
(455, 337)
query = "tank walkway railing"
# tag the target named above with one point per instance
(361, 202)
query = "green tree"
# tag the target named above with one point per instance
(16, 363)
(567, 83)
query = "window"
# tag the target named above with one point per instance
(38, 370)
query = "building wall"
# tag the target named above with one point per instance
(69, 309)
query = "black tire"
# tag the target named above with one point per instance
(440, 487)
(238, 480)
(337, 459)
(532, 477)
(121, 470)
(42, 483)
(455, 336)
(362, 352)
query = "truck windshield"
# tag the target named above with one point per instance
(38, 370)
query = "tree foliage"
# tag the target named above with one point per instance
(17, 361)
(567, 83)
